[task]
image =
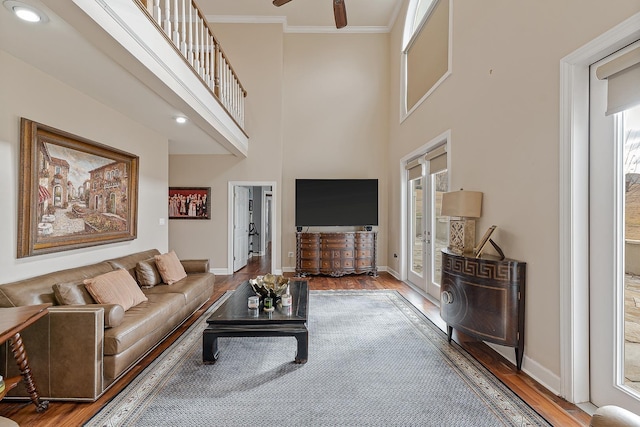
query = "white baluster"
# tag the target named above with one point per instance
(167, 17)
(196, 47)
(176, 29)
(156, 12)
(183, 33)
(190, 49)
(202, 46)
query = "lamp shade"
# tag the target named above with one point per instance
(464, 204)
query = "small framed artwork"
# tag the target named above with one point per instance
(483, 242)
(74, 192)
(189, 202)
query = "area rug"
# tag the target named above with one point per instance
(374, 360)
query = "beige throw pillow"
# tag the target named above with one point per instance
(170, 268)
(72, 293)
(147, 273)
(115, 287)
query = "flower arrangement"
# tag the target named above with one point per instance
(269, 285)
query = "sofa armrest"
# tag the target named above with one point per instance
(113, 314)
(65, 354)
(614, 416)
(195, 265)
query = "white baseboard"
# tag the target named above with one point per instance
(220, 271)
(392, 272)
(542, 375)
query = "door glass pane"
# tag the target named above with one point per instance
(417, 226)
(440, 185)
(631, 159)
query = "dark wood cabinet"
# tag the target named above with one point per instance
(336, 253)
(484, 297)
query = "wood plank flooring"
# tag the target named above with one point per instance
(556, 410)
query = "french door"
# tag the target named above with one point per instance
(614, 236)
(427, 180)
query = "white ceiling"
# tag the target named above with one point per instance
(306, 15)
(60, 50)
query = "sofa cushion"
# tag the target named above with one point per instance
(170, 267)
(190, 287)
(147, 273)
(115, 287)
(72, 293)
(142, 320)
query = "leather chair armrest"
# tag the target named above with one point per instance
(614, 416)
(195, 265)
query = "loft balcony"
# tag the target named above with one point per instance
(150, 59)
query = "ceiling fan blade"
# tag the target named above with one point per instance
(340, 13)
(280, 2)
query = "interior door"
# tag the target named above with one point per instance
(614, 234)
(240, 227)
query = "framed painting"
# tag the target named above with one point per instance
(189, 202)
(74, 192)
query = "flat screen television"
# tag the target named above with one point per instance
(336, 202)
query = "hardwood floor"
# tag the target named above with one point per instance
(556, 410)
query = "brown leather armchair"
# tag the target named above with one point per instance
(614, 416)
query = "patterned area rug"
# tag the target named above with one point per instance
(374, 360)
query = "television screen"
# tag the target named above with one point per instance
(336, 202)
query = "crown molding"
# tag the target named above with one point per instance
(246, 19)
(334, 30)
(258, 19)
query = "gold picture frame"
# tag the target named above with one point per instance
(73, 192)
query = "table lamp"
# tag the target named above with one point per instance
(462, 207)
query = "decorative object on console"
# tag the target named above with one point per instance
(73, 192)
(477, 251)
(462, 206)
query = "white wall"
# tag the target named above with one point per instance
(256, 54)
(317, 108)
(502, 106)
(30, 93)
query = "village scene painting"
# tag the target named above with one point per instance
(81, 193)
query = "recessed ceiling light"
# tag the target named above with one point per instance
(25, 12)
(181, 119)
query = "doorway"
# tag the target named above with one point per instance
(251, 224)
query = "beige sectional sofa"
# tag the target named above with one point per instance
(77, 351)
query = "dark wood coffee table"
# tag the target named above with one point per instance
(234, 319)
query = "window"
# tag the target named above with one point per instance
(426, 58)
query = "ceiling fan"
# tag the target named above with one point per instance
(339, 11)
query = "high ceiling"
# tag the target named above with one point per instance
(306, 15)
(58, 49)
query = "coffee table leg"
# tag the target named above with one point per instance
(210, 350)
(303, 346)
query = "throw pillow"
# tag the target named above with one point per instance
(115, 287)
(147, 273)
(170, 268)
(72, 293)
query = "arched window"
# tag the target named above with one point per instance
(426, 50)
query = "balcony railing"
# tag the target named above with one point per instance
(186, 27)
